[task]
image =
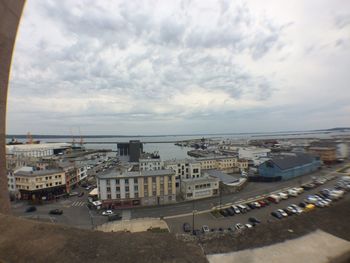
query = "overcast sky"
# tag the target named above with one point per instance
(180, 67)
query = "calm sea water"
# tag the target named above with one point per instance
(169, 150)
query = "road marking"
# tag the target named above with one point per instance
(78, 203)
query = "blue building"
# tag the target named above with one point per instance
(288, 166)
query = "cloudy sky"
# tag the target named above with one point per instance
(180, 67)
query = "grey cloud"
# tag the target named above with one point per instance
(342, 20)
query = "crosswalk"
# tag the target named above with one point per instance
(78, 203)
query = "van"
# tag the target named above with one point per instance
(243, 208)
(292, 192)
(274, 198)
(114, 217)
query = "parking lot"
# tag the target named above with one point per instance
(263, 214)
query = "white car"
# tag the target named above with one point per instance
(283, 213)
(292, 192)
(107, 212)
(239, 226)
(283, 195)
(248, 226)
(237, 211)
(298, 209)
(205, 229)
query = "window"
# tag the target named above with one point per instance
(117, 189)
(126, 181)
(109, 196)
(118, 196)
(154, 193)
(135, 180)
(108, 189)
(136, 188)
(117, 181)
(127, 195)
(107, 182)
(126, 188)
(136, 195)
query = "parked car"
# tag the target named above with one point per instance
(251, 205)
(243, 208)
(283, 196)
(248, 226)
(297, 209)
(56, 212)
(254, 220)
(276, 214)
(107, 212)
(309, 207)
(282, 212)
(262, 203)
(224, 212)
(205, 229)
(302, 204)
(292, 192)
(274, 198)
(236, 209)
(186, 227)
(230, 211)
(31, 209)
(256, 204)
(114, 217)
(239, 226)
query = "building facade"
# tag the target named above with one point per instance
(328, 155)
(37, 150)
(284, 167)
(40, 184)
(140, 188)
(197, 188)
(150, 164)
(184, 169)
(223, 163)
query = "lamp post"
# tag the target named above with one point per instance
(193, 212)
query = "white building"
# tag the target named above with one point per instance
(36, 150)
(184, 169)
(197, 188)
(150, 164)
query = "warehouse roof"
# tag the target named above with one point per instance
(288, 161)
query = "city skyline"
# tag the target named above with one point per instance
(166, 68)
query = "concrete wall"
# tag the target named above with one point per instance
(10, 14)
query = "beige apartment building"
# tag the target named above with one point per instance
(40, 184)
(223, 163)
(134, 188)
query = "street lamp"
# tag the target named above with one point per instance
(193, 212)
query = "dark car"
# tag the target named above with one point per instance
(80, 194)
(114, 217)
(186, 227)
(230, 211)
(302, 204)
(251, 205)
(31, 209)
(254, 220)
(56, 212)
(224, 212)
(197, 232)
(277, 215)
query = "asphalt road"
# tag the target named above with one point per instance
(263, 214)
